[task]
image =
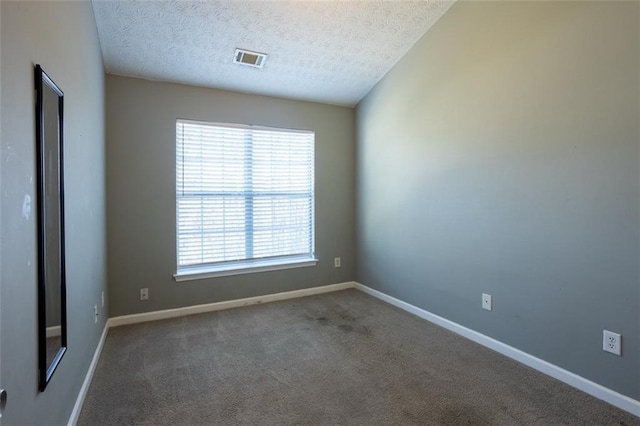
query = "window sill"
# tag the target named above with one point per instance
(198, 273)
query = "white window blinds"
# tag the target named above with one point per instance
(244, 195)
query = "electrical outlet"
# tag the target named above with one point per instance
(337, 262)
(144, 294)
(95, 314)
(612, 342)
(486, 301)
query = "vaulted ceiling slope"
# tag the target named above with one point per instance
(324, 51)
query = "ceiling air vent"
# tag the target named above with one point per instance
(247, 57)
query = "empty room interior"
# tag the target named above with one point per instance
(320, 212)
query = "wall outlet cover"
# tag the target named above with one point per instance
(612, 342)
(487, 301)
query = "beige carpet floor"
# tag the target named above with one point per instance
(340, 358)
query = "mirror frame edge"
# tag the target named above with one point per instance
(46, 372)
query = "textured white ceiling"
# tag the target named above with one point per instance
(325, 51)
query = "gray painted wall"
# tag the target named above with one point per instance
(141, 118)
(62, 37)
(501, 155)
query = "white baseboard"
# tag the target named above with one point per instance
(218, 306)
(612, 397)
(54, 331)
(73, 419)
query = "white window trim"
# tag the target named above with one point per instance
(239, 268)
(246, 126)
(249, 266)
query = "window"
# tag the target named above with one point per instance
(244, 199)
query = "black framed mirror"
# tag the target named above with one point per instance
(52, 310)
